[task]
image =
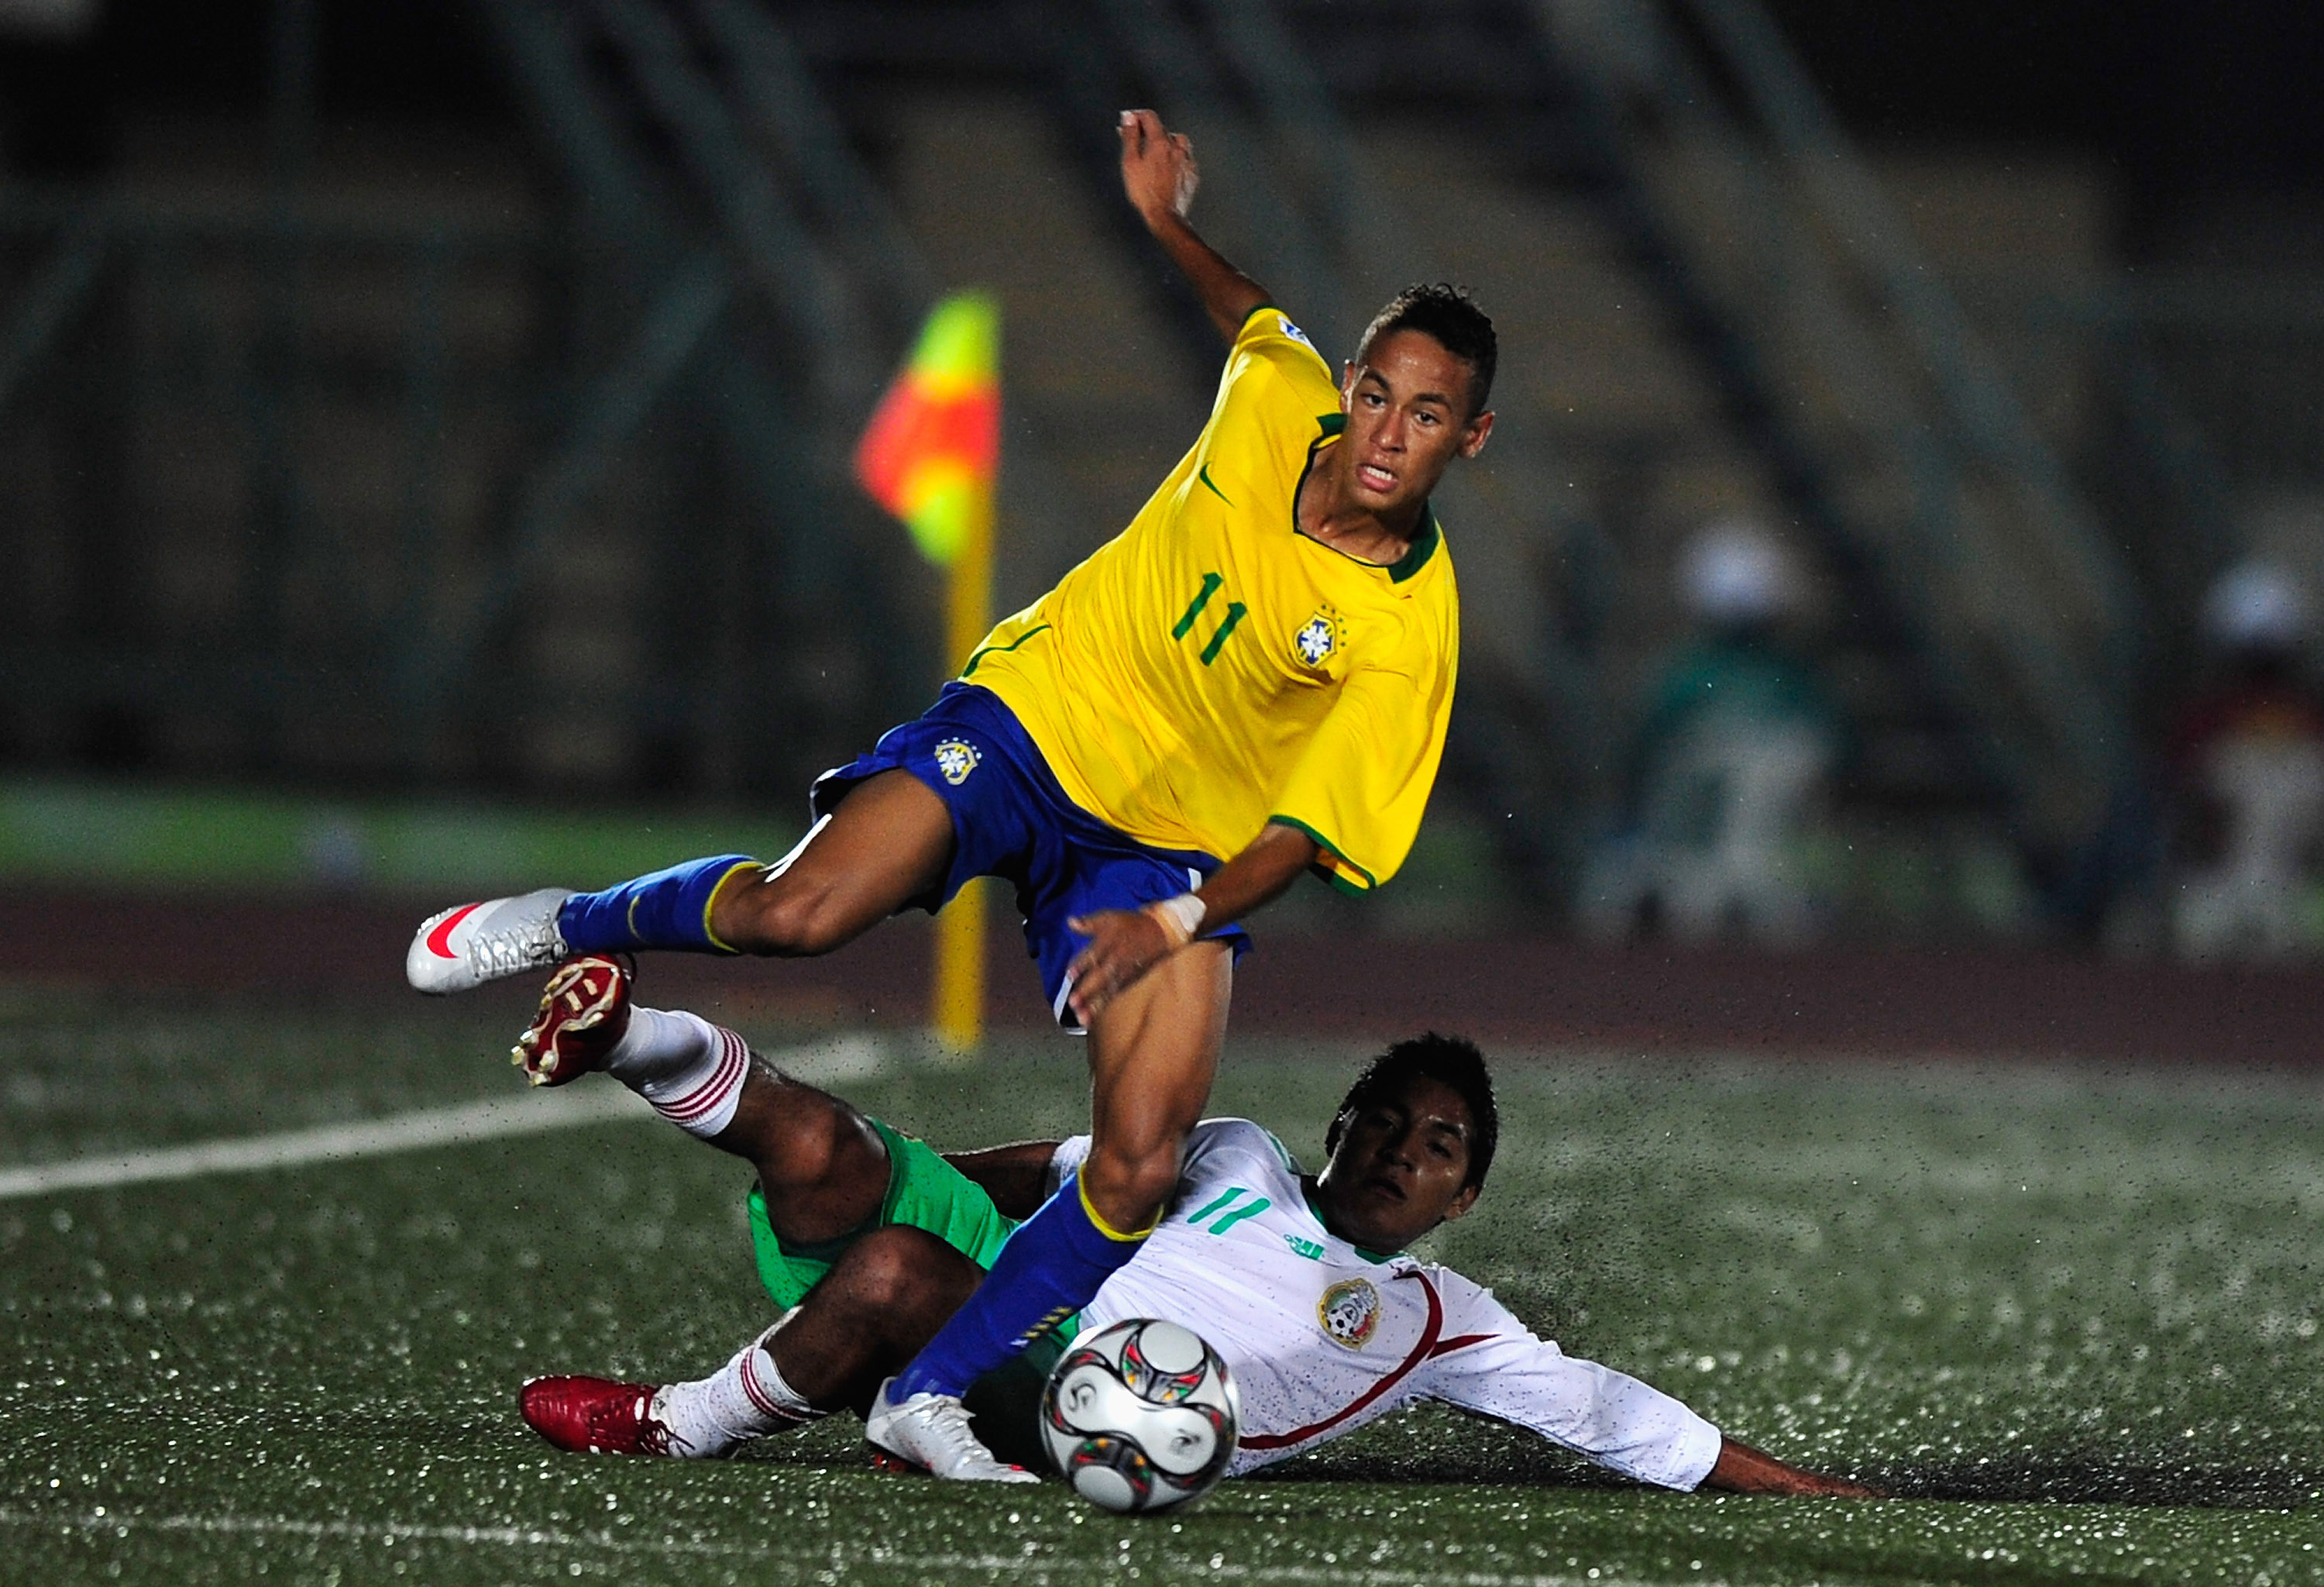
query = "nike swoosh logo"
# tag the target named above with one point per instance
(1203, 473)
(439, 941)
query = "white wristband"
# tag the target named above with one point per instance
(1179, 918)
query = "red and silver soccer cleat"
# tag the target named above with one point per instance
(596, 1415)
(462, 949)
(582, 1015)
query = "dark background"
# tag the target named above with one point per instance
(2189, 103)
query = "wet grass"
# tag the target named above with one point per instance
(2073, 1313)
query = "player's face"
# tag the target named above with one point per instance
(1407, 405)
(1399, 1167)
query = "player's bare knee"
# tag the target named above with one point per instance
(811, 1138)
(898, 1271)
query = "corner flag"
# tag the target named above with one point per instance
(934, 443)
(930, 456)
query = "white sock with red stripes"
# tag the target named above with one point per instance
(689, 1069)
(746, 1399)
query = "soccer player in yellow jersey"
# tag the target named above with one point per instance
(1252, 680)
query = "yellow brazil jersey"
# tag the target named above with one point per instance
(1212, 669)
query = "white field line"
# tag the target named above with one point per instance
(525, 1113)
(872, 1557)
(413, 1131)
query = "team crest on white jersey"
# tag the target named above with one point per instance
(957, 758)
(1318, 637)
(1350, 1310)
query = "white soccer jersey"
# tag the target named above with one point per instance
(1322, 1338)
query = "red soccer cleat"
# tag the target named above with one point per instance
(595, 1415)
(584, 1012)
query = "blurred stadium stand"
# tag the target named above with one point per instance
(507, 455)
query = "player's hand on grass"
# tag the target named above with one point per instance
(1742, 1468)
(1124, 943)
(1799, 1484)
(1158, 166)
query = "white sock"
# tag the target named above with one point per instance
(690, 1070)
(746, 1399)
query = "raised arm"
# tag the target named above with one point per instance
(1159, 175)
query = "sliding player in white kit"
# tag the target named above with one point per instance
(1323, 1337)
(870, 1240)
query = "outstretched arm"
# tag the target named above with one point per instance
(1159, 174)
(1016, 1177)
(1498, 1368)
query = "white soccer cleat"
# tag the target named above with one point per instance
(461, 949)
(930, 1432)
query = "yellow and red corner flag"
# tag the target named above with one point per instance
(933, 447)
(931, 456)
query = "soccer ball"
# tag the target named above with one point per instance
(1140, 1417)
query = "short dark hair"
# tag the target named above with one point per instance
(1451, 1061)
(1446, 312)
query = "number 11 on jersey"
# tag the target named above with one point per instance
(1211, 583)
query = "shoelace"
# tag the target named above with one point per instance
(653, 1437)
(503, 952)
(948, 1420)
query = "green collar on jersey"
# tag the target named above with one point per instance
(1374, 1257)
(1424, 544)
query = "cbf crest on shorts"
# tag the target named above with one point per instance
(1317, 638)
(957, 758)
(1350, 1310)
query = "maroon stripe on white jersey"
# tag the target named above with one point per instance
(1389, 1380)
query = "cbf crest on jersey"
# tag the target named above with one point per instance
(1318, 638)
(1350, 1310)
(957, 758)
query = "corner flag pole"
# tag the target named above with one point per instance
(957, 999)
(930, 456)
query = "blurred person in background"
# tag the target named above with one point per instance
(1732, 762)
(2245, 770)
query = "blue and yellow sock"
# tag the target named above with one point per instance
(1052, 1266)
(668, 909)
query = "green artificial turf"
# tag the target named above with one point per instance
(2073, 1313)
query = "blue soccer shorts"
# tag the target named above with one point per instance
(1011, 819)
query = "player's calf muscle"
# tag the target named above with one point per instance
(784, 918)
(1128, 1190)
